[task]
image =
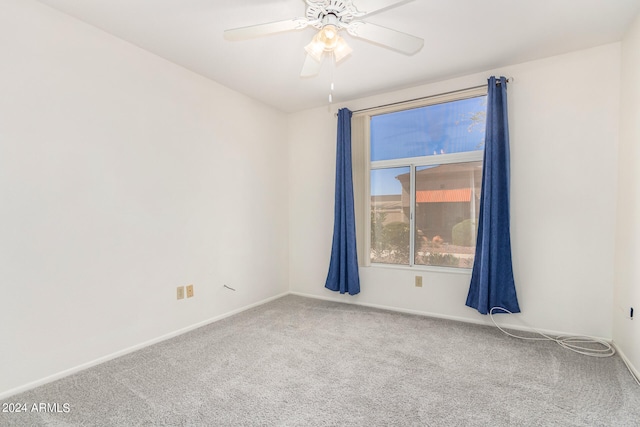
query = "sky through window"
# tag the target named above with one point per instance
(451, 127)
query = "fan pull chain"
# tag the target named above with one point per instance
(332, 65)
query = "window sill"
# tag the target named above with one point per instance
(429, 268)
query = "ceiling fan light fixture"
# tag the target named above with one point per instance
(328, 40)
(329, 18)
(329, 36)
(341, 50)
(315, 49)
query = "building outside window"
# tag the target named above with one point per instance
(425, 174)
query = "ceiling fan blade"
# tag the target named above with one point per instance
(311, 67)
(370, 6)
(402, 42)
(252, 31)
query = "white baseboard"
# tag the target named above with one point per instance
(483, 322)
(389, 308)
(70, 371)
(633, 369)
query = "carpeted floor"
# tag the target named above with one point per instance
(305, 362)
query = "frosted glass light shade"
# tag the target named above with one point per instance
(315, 49)
(328, 40)
(341, 50)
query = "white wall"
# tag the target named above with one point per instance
(564, 115)
(627, 289)
(123, 176)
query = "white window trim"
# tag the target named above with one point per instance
(362, 166)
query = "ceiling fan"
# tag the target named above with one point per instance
(330, 17)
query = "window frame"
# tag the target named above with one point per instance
(363, 167)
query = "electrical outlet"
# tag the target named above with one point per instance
(189, 291)
(418, 281)
(180, 292)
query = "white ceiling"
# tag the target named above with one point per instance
(461, 37)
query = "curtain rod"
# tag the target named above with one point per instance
(510, 79)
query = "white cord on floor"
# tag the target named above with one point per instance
(573, 343)
(570, 342)
(633, 374)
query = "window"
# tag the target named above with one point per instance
(425, 174)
